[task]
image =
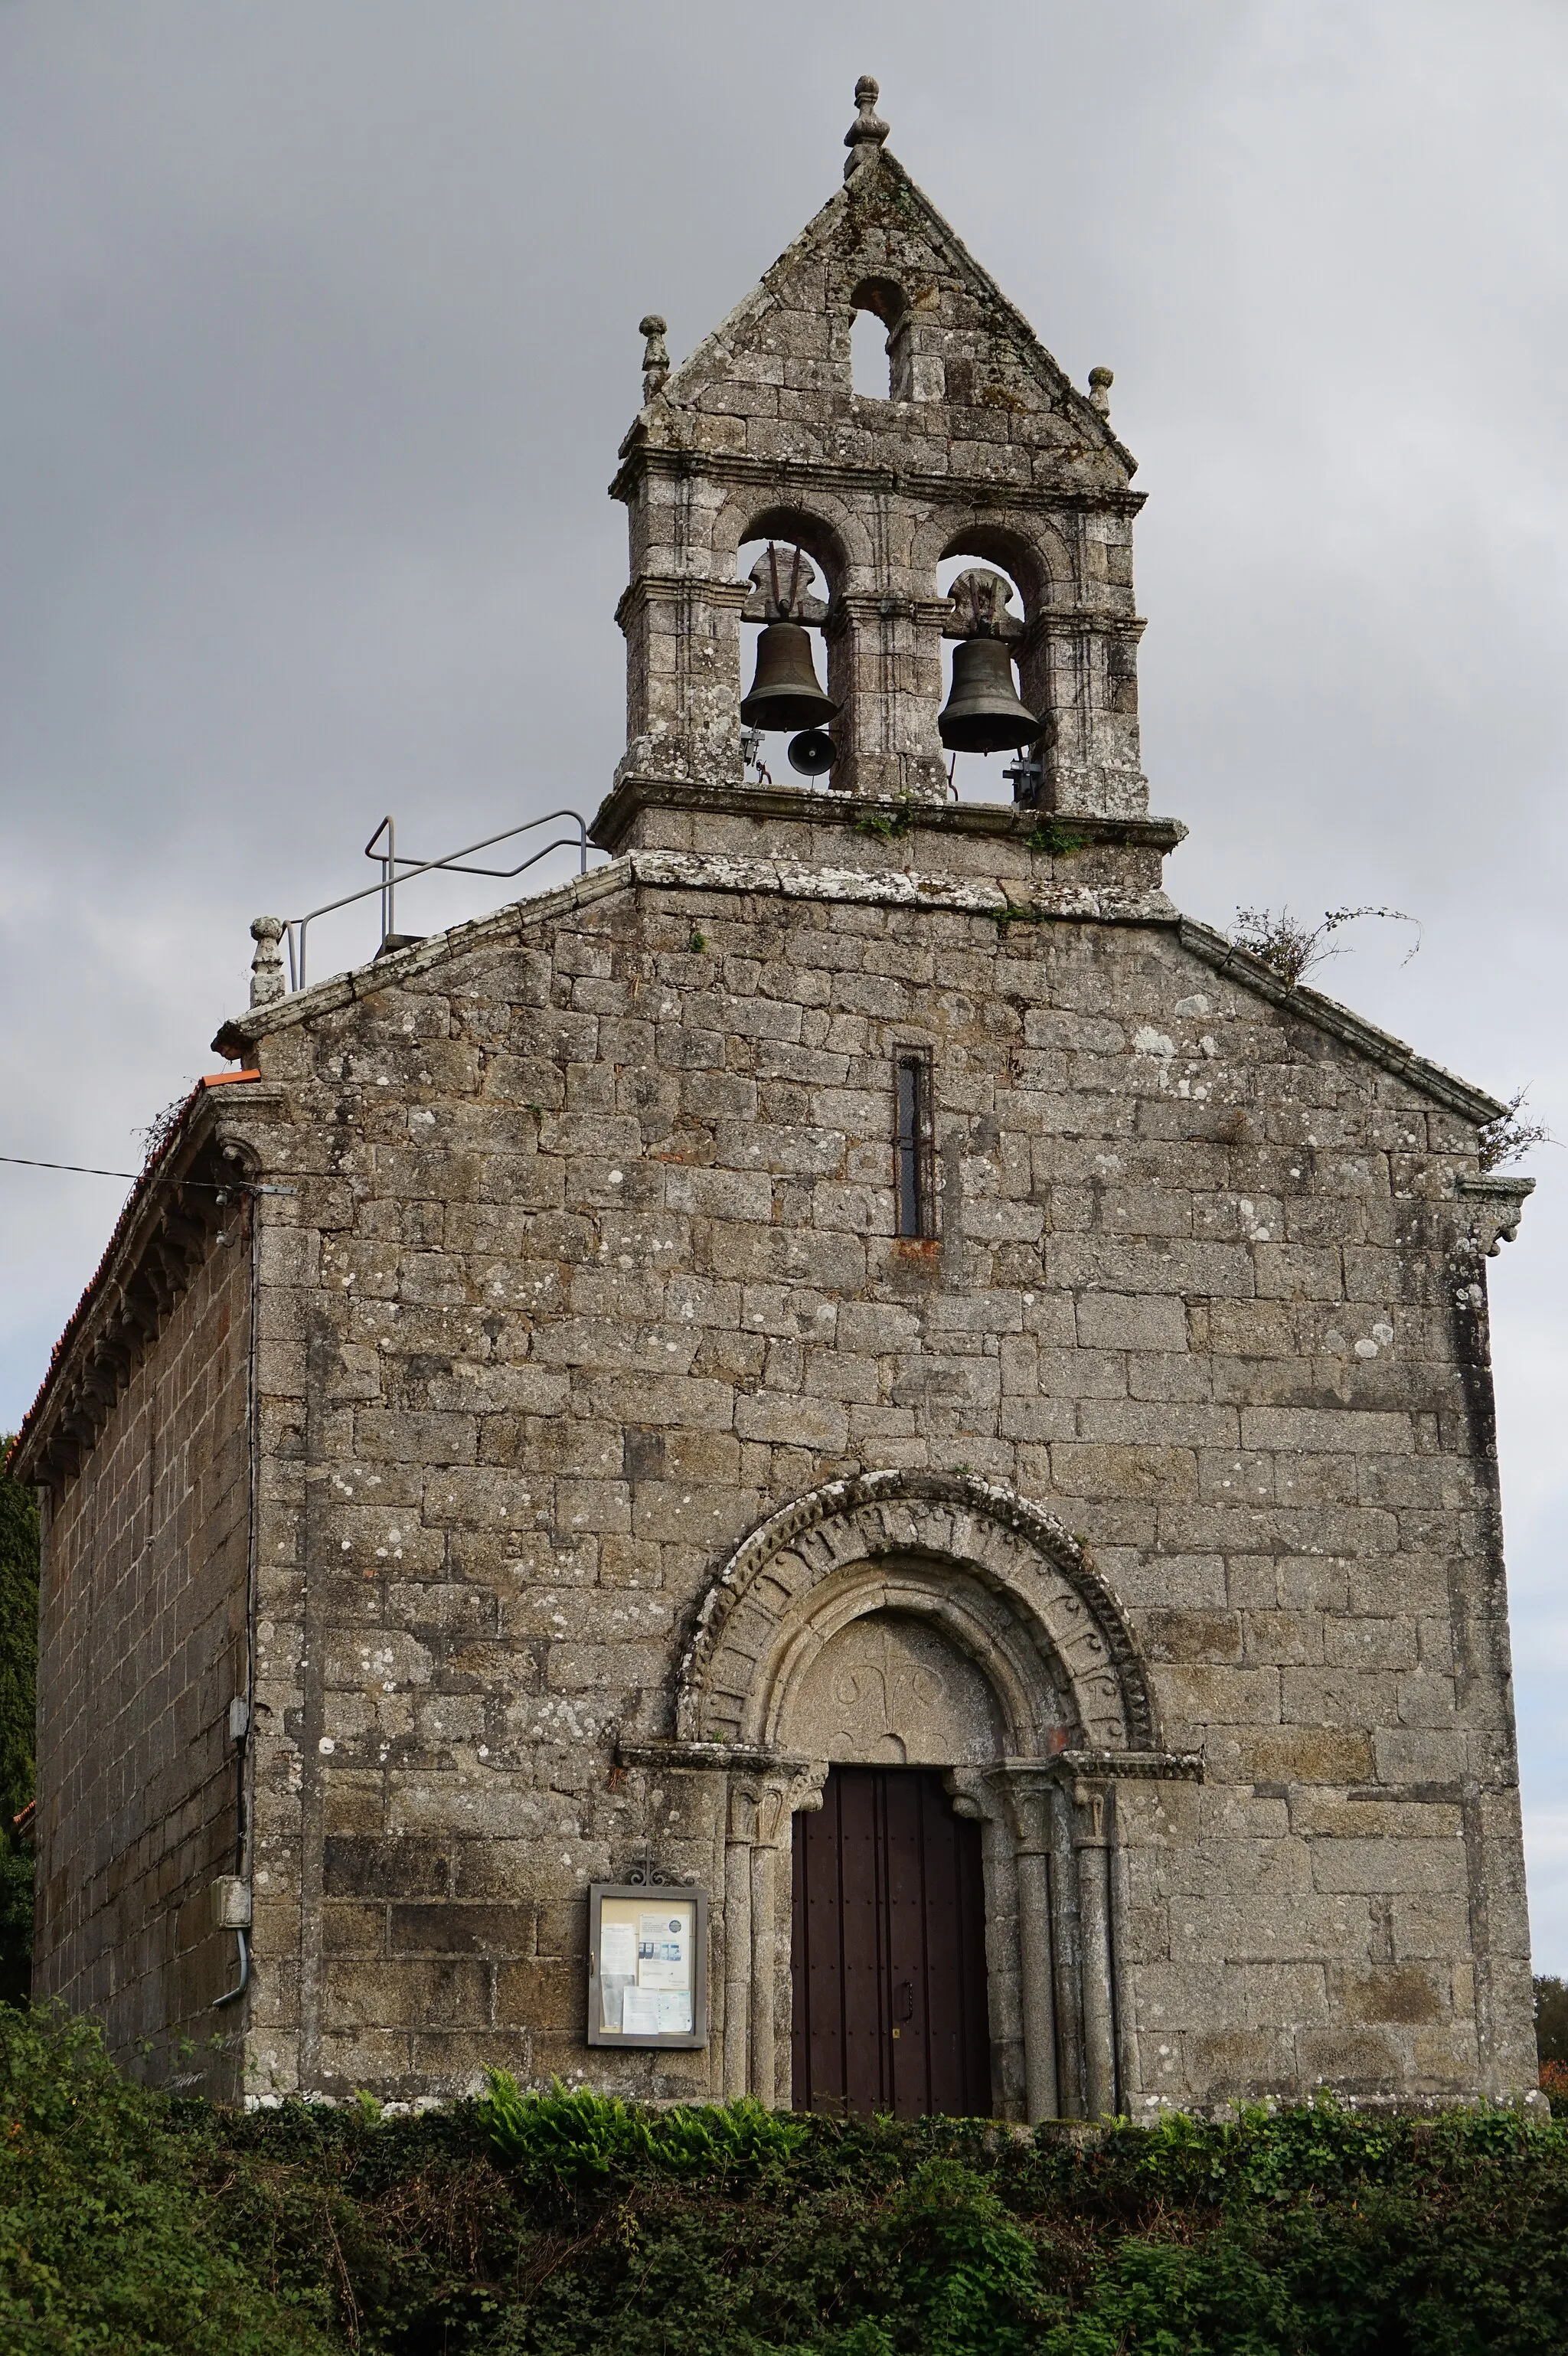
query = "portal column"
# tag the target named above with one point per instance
(1092, 1807)
(1031, 1797)
(738, 1854)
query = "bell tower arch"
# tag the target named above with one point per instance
(979, 442)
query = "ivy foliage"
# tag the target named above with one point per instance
(540, 2225)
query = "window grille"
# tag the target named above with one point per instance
(914, 1162)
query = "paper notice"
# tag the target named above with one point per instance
(640, 2013)
(617, 1951)
(675, 2013)
(663, 1950)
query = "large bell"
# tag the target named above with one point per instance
(982, 714)
(785, 693)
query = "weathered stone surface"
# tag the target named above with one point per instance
(615, 1464)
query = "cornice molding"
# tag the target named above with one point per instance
(839, 474)
(162, 1238)
(994, 822)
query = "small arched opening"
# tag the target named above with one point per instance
(880, 356)
(979, 776)
(791, 564)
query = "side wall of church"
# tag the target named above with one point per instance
(142, 1647)
(591, 1265)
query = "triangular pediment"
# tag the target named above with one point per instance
(974, 375)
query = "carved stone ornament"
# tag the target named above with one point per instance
(784, 587)
(267, 965)
(1497, 1205)
(867, 131)
(979, 600)
(655, 355)
(1000, 1576)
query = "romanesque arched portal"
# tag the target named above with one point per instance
(938, 1620)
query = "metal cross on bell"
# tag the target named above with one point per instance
(785, 691)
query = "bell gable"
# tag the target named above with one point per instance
(971, 388)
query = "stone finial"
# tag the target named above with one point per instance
(267, 965)
(867, 131)
(1100, 382)
(656, 354)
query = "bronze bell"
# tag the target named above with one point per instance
(982, 714)
(785, 693)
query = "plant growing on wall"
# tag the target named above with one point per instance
(1290, 949)
(1509, 1138)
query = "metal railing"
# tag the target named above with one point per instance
(383, 848)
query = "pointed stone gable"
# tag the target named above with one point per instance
(983, 396)
(980, 448)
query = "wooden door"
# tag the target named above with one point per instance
(889, 1951)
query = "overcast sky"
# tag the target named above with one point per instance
(319, 324)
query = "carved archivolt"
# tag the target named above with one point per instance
(1006, 1581)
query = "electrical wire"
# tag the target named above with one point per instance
(83, 1169)
(202, 1185)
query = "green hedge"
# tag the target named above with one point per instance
(131, 2221)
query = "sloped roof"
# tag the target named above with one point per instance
(165, 1153)
(896, 887)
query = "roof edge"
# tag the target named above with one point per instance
(241, 1031)
(165, 1170)
(1380, 1046)
(793, 879)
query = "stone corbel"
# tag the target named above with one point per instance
(1497, 1206)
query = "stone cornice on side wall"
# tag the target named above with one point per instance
(160, 1237)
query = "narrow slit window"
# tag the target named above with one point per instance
(913, 1173)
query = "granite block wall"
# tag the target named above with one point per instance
(141, 1650)
(591, 1265)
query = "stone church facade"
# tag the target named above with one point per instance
(851, 1361)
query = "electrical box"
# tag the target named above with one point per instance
(230, 1902)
